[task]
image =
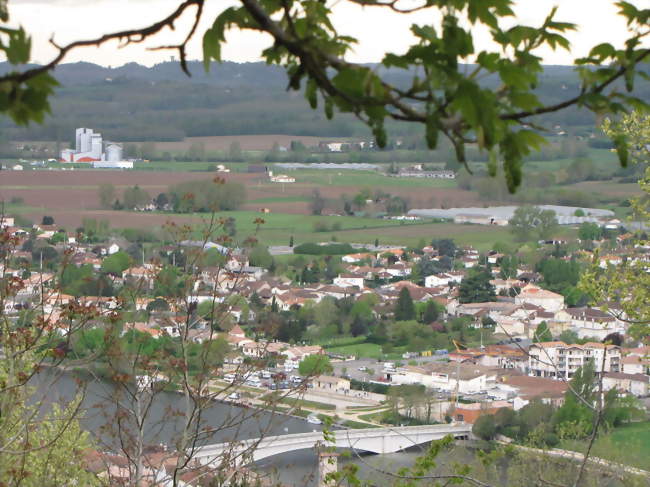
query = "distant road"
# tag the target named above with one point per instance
(280, 250)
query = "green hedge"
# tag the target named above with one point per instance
(330, 249)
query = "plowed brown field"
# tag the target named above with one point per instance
(70, 196)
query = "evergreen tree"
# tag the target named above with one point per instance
(430, 313)
(404, 308)
(476, 287)
(542, 334)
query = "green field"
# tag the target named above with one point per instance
(278, 227)
(629, 444)
(367, 350)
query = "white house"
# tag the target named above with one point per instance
(636, 384)
(548, 300)
(349, 280)
(590, 322)
(294, 355)
(443, 279)
(448, 377)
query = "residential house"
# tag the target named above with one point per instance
(634, 364)
(591, 322)
(523, 389)
(443, 279)
(466, 378)
(294, 355)
(636, 384)
(349, 280)
(531, 294)
(469, 413)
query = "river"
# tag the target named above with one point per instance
(298, 468)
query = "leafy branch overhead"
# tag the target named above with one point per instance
(445, 94)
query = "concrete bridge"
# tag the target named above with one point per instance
(374, 440)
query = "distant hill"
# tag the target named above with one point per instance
(137, 103)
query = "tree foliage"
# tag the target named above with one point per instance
(627, 286)
(532, 222)
(476, 288)
(207, 196)
(316, 364)
(404, 307)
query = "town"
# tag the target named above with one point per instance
(324, 244)
(385, 336)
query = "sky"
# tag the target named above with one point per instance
(378, 30)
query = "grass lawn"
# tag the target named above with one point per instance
(357, 424)
(628, 444)
(301, 403)
(369, 350)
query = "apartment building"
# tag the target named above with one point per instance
(557, 360)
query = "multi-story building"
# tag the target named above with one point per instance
(557, 360)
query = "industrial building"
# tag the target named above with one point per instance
(90, 147)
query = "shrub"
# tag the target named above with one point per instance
(331, 249)
(485, 427)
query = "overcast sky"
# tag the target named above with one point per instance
(377, 29)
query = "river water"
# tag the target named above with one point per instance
(299, 468)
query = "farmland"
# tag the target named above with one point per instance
(70, 196)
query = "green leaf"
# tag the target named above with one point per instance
(211, 48)
(492, 163)
(620, 143)
(329, 108)
(311, 93)
(432, 131)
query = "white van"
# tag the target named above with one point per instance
(229, 378)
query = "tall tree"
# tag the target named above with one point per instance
(476, 288)
(532, 222)
(404, 307)
(316, 202)
(106, 195)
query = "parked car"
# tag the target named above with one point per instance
(234, 396)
